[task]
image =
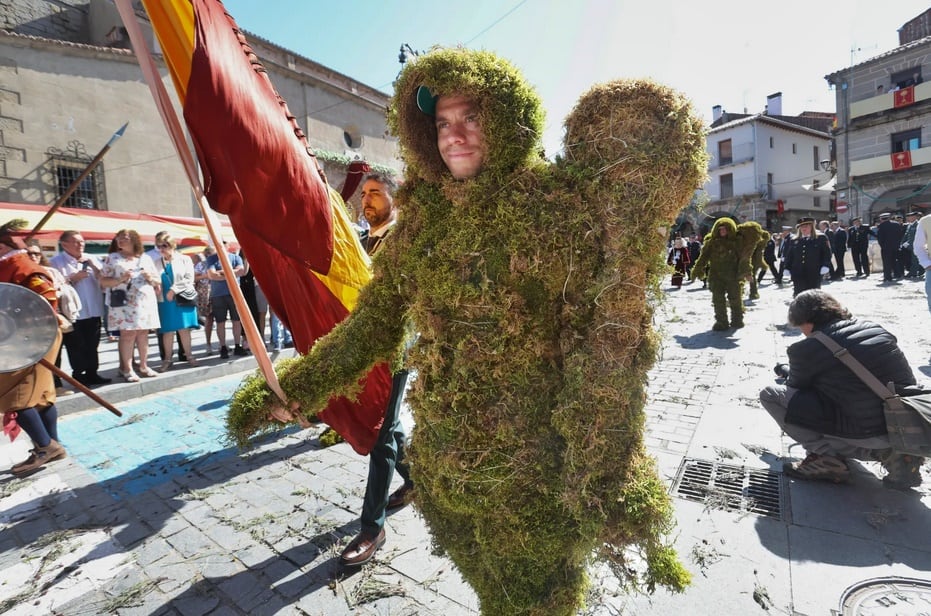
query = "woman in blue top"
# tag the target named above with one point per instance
(177, 307)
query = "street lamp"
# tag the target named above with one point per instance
(405, 53)
(826, 165)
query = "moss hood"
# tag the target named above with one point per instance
(724, 221)
(510, 111)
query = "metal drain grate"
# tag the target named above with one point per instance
(729, 487)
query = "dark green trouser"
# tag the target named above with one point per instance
(385, 458)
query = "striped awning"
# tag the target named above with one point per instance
(100, 227)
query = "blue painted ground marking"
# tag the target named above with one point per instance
(158, 438)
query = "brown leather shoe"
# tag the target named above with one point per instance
(361, 549)
(39, 457)
(400, 497)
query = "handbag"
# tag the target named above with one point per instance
(188, 297)
(908, 418)
(117, 298)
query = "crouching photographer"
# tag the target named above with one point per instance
(827, 408)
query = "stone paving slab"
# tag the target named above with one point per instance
(732, 560)
(825, 564)
(188, 528)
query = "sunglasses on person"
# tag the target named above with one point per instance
(160, 246)
(34, 253)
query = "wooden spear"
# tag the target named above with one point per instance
(77, 182)
(80, 387)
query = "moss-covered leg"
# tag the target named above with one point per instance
(719, 303)
(735, 299)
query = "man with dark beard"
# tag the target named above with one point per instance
(387, 456)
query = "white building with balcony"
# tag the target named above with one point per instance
(68, 81)
(767, 167)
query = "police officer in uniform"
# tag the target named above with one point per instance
(807, 256)
(858, 240)
(889, 235)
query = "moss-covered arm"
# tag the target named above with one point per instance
(702, 263)
(372, 333)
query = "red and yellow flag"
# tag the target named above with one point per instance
(258, 169)
(904, 97)
(901, 160)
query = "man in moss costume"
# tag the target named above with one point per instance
(754, 239)
(525, 281)
(725, 263)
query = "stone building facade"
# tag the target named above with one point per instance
(68, 81)
(881, 141)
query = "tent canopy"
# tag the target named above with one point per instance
(827, 187)
(100, 227)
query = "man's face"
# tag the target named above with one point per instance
(74, 246)
(459, 136)
(377, 203)
(722, 231)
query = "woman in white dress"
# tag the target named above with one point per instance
(133, 282)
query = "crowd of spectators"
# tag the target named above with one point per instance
(129, 294)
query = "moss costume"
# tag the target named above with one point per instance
(753, 240)
(724, 263)
(526, 285)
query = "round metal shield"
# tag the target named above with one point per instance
(28, 327)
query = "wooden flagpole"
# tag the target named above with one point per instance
(175, 131)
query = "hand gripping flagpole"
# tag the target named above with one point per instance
(176, 133)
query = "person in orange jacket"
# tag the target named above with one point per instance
(27, 395)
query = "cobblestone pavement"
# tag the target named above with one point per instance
(154, 513)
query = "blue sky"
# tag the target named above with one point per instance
(731, 54)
